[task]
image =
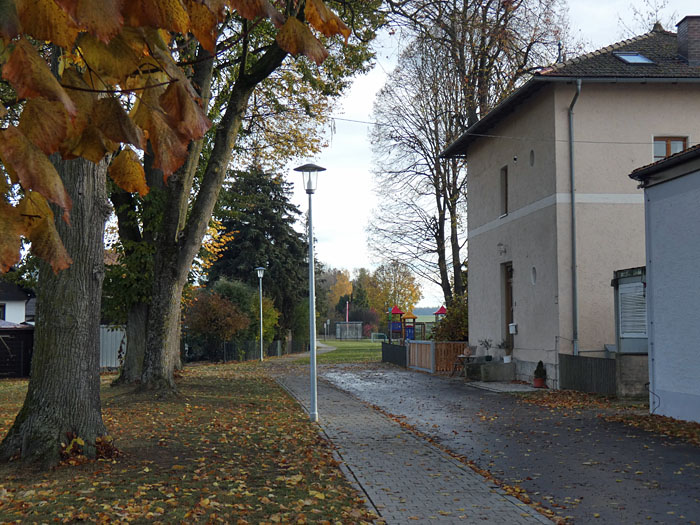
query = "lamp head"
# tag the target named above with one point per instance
(310, 174)
(260, 271)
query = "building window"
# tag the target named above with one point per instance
(632, 57)
(504, 190)
(667, 146)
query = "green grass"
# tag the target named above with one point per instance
(349, 352)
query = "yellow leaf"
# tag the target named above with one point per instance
(127, 172)
(103, 19)
(203, 22)
(115, 61)
(11, 226)
(325, 20)
(296, 38)
(39, 224)
(167, 14)
(33, 168)
(45, 20)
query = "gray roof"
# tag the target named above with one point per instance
(654, 173)
(12, 292)
(602, 65)
(660, 46)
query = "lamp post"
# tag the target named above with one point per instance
(309, 173)
(260, 271)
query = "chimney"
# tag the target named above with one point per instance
(689, 40)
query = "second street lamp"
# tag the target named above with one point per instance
(310, 177)
(261, 271)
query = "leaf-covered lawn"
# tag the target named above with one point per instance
(348, 352)
(232, 448)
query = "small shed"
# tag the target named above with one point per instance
(672, 224)
(16, 345)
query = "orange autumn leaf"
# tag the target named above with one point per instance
(218, 7)
(166, 14)
(32, 168)
(169, 148)
(91, 145)
(31, 77)
(45, 20)
(44, 123)
(128, 173)
(109, 117)
(325, 20)
(297, 39)
(41, 231)
(183, 113)
(203, 21)
(102, 19)
(10, 26)
(12, 227)
(253, 9)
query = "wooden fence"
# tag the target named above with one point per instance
(431, 356)
(587, 374)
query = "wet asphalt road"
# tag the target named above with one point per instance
(575, 462)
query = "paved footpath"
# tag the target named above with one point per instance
(405, 478)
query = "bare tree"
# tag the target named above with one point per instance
(465, 57)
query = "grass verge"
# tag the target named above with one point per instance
(348, 352)
(232, 448)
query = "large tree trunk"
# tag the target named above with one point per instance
(183, 227)
(132, 367)
(64, 389)
(163, 330)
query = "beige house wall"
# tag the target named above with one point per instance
(525, 237)
(614, 129)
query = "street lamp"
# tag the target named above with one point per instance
(260, 271)
(309, 173)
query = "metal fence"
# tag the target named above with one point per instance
(197, 350)
(351, 330)
(395, 354)
(112, 340)
(587, 374)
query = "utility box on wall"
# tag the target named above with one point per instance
(631, 311)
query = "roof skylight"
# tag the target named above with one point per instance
(632, 57)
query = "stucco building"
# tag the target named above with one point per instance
(672, 197)
(552, 211)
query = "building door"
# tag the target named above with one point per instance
(508, 301)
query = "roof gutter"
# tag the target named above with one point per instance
(574, 279)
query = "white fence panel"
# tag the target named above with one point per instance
(111, 339)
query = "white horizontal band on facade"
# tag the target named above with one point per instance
(558, 198)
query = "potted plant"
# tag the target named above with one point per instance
(505, 345)
(540, 380)
(487, 344)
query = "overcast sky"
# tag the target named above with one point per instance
(345, 196)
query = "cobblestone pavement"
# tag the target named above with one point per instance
(405, 478)
(580, 465)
